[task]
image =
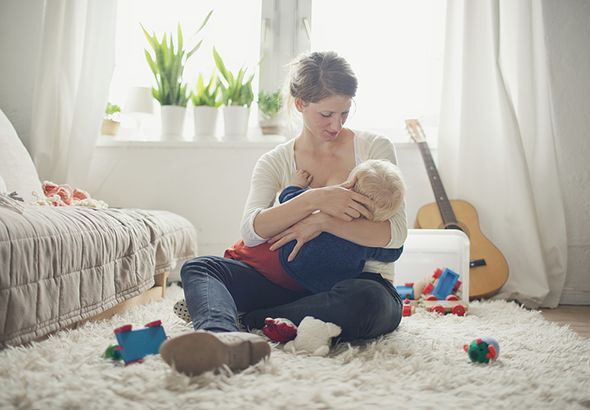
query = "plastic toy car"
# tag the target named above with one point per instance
(134, 345)
(456, 307)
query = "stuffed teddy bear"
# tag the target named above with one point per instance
(313, 337)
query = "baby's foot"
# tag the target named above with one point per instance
(181, 310)
(301, 178)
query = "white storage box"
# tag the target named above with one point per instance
(428, 249)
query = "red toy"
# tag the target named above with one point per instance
(279, 330)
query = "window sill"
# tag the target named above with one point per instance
(252, 142)
(264, 141)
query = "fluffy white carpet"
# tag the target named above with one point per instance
(421, 365)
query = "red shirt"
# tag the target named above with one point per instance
(265, 261)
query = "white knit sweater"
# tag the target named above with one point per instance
(273, 172)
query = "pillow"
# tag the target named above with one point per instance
(16, 167)
(3, 189)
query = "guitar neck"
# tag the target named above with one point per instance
(440, 195)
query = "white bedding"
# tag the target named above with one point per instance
(60, 265)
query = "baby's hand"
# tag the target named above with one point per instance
(301, 178)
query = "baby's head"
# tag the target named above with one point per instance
(380, 181)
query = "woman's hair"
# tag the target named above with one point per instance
(318, 75)
(380, 181)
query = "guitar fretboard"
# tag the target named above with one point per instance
(444, 206)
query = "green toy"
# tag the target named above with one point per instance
(113, 352)
(482, 350)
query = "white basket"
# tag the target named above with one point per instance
(428, 249)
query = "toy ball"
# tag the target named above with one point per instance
(482, 350)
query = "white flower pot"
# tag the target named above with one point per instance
(235, 121)
(205, 119)
(270, 125)
(173, 122)
(109, 127)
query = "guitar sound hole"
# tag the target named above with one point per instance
(453, 226)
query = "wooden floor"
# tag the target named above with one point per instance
(577, 317)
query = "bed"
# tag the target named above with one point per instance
(62, 266)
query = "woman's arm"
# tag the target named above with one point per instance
(337, 201)
(360, 231)
(261, 220)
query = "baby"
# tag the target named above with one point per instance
(328, 259)
(376, 179)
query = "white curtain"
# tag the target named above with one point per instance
(72, 85)
(496, 141)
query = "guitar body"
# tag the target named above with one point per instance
(486, 279)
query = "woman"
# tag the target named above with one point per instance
(322, 86)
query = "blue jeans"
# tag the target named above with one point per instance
(216, 289)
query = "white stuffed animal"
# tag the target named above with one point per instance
(313, 337)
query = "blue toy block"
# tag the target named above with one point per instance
(405, 291)
(445, 284)
(136, 344)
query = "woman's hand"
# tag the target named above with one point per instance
(341, 202)
(303, 231)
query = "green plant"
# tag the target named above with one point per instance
(234, 91)
(168, 64)
(270, 103)
(111, 110)
(207, 95)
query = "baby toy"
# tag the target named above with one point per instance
(440, 293)
(134, 345)
(279, 330)
(313, 337)
(482, 350)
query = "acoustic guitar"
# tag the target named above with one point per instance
(488, 269)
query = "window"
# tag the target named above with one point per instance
(395, 48)
(234, 30)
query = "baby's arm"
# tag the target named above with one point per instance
(299, 182)
(301, 178)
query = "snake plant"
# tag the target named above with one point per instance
(206, 95)
(167, 65)
(234, 89)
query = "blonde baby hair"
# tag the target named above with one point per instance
(381, 181)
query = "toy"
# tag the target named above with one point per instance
(134, 345)
(313, 337)
(407, 308)
(445, 284)
(451, 305)
(279, 330)
(406, 291)
(441, 284)
(482, 350)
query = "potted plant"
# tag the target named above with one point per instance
(206, 103)
(237, 96)
(269, 110)
(167, 65)
(111, 123)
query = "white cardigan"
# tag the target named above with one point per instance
(273, 172)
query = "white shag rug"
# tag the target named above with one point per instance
(420, 365)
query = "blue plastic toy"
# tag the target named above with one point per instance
(134, 345)
(483, 349)
(405, 291)
(446, 284)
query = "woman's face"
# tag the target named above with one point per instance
(325, 118)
